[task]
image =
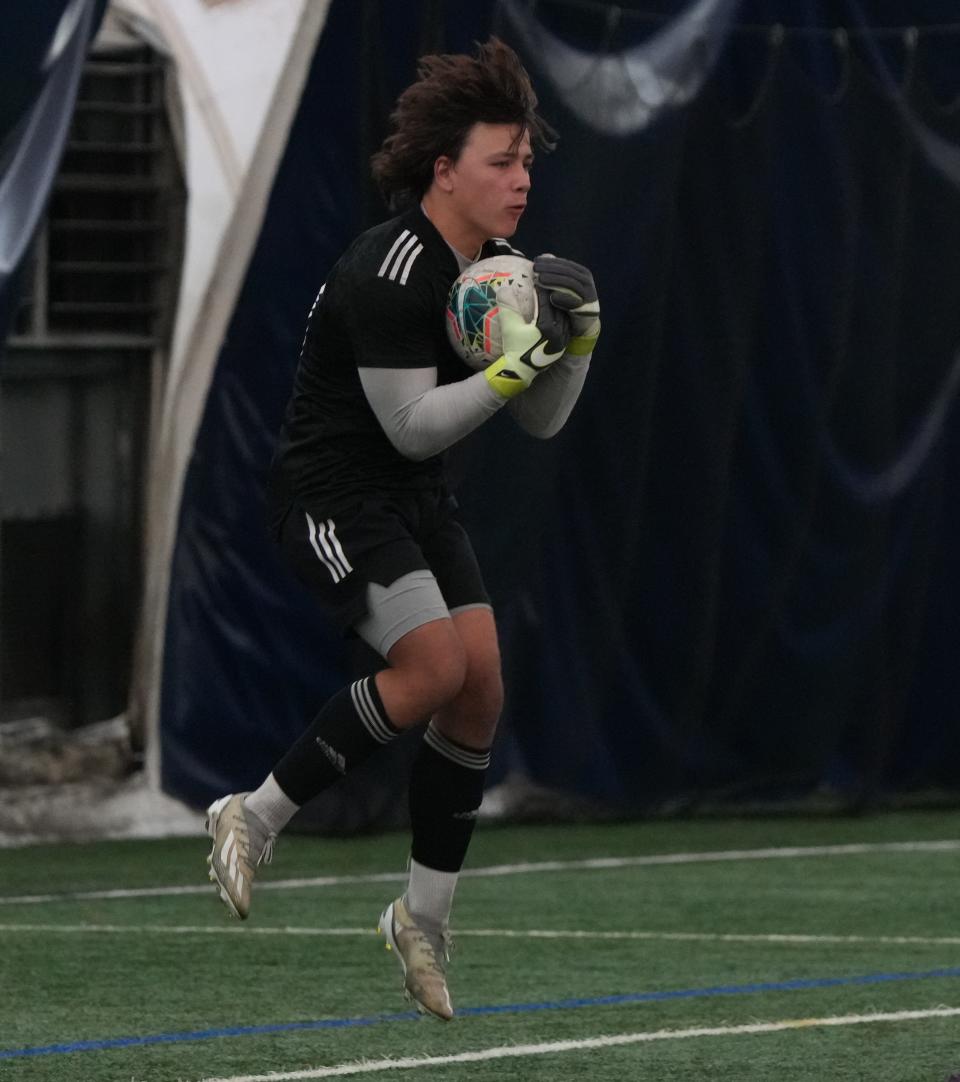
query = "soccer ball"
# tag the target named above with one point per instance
(476, 297)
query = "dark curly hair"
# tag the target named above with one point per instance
(434, 115)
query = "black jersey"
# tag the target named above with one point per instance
(382, 306)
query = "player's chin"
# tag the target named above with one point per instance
(509, 222)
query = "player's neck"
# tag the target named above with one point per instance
(462, 237)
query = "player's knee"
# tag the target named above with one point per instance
(434, 678)
(482, 692)
(473, 716)
(444, 675)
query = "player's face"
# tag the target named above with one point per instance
(490, 181)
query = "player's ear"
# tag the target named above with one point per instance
(443, 169)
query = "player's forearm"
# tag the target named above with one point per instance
(421, 419)
(543, 409)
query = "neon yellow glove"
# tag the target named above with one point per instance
(528, 348)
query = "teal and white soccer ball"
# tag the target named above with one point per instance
(475, 301)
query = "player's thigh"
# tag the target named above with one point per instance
(409, 625)
(439, 662)
(393, 612)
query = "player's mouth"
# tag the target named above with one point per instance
(517, 209)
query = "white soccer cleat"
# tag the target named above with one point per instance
(423, 954)
(241, 843)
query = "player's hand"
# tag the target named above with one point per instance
(572, 289)
(528, 348)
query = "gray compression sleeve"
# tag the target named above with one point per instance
(422, 419)
(542, 410)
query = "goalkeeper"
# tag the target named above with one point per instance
(361, 502)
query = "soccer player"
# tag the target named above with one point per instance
(362, 505)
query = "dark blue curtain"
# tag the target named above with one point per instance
(731, 576)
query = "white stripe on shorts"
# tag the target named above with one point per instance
(327, 547)
(332, 542)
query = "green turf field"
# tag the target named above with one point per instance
(712, 950)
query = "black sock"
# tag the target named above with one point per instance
(446, 787)
(351, 726)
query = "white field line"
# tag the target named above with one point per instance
(788, 938)
(519, 1051)
(532, 868)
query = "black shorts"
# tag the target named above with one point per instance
(337, 551)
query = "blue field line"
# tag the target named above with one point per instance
(797, 985)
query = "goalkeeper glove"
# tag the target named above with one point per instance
(572, 289)
(528, 348)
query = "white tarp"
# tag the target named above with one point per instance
(240, 67)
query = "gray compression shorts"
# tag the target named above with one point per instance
(412, 600)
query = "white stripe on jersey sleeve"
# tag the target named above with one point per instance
(401, 255)
(410, 261)
(396, 244)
